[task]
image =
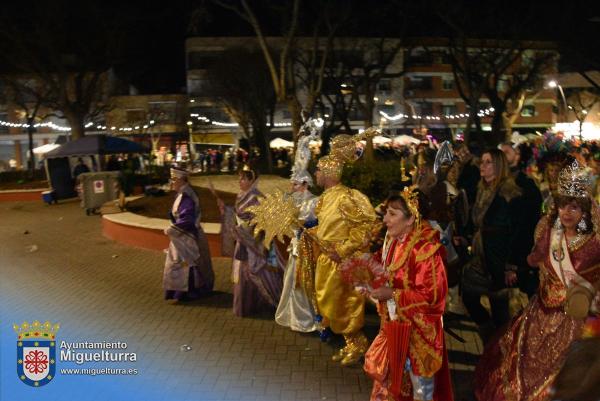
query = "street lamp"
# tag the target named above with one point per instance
(554, 84)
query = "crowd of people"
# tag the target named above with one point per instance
(464, 233)
(232, 159)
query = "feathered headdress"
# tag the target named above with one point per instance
(312, 129)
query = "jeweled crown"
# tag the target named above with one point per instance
(574, 181)
(36, 330)
(411, 197)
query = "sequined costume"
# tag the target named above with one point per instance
(345, 219)
(295, 309)
(188, 272)
(521, 365)
(257, 279)
(417, 274)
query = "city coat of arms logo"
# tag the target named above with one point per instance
(36, 352)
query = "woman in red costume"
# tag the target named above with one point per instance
(410, 362)
(523, 363)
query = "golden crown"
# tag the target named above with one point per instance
(411, 197)
(343, 151)
(574, 181)
(36, 330)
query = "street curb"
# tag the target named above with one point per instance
(22, 195)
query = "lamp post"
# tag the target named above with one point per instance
(554, 84)
(190, 125)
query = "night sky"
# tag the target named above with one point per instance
(152, 36)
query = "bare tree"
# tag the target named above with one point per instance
(71, 62)
(581, 102)
(523, 77)
(491, 57)
(29, 97)
(376, 62)
(468, 76)
(240, 82)
(282, 56)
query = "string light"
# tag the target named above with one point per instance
(224, 124)
(480, 113)
(151, 123)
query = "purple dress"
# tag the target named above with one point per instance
(256, 284)
(188, 250)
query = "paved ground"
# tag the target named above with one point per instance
(55, 257)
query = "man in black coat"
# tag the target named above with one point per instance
(528, 207)
(468, 177)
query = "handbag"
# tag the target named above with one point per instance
(475, 280)
(579, 300)
(377, 359)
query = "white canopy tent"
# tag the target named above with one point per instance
(42, 150)
(379, 140)
(281, 143)
(405, 140)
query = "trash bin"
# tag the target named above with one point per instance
(98, 188)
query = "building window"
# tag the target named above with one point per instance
(528, 111)
(419, 83)
(136, 116)
(424, 108)
(502, 84)
(201, 60)
(418, 57)
(527, 58)
(448, 109)
(163, 112)
(447, 83)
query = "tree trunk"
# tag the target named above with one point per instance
(31, 160)
(262, 140)
(296, 112)
(368, 108)
(467, 132)
(77, 125)
(499, 128)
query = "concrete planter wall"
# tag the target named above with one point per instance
(147, 233)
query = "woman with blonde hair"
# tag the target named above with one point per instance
(491, 269)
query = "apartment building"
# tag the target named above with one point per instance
(432, 99)
(157, 121)
(212, 124)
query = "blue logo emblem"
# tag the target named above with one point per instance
(36, 352)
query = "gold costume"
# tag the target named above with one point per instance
(345, 220)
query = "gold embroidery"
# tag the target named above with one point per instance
(428, 254)
(541, 228)
(406, 252)
(411, 306)
(426, 358)
(589, 269)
